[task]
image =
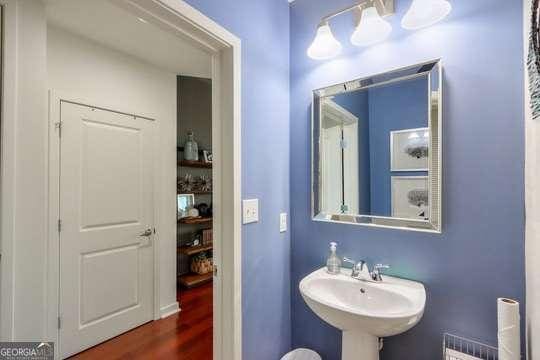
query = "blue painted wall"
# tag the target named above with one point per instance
(480, 255)
(392, 107)
(263, 27)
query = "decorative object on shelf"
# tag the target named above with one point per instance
(409, 150)
(198, 184)
(191, 148)
(371, 27)
(207, 156)
(186, 183)
(196, 241)
(207, 236)
(193, 212)
(409, 197)
(203, 183)
(184, 203)
(201, 264)
(203, 210)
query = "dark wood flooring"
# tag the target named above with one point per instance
(186, 336)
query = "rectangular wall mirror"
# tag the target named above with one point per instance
(377, 150)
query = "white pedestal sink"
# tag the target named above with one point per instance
(364, 310)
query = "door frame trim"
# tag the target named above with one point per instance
(55, 98)
(185, 21)
(8, 133)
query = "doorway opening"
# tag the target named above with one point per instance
(111, 71)
(195, 263)
(113, 105)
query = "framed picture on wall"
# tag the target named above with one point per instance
(184, 203)
(207, 156)
(410, 197)
(409, 150)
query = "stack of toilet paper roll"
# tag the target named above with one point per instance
(508, 329)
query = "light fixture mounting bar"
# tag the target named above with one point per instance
(384, 7)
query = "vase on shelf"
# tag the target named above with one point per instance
(191, 148)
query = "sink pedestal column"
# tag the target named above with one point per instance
(356, 345)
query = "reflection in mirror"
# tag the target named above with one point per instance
(376, 143)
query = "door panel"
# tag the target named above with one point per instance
(110, 174)
(106, 203)
(100, 298)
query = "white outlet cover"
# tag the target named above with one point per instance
(282, 222)
(250, 211)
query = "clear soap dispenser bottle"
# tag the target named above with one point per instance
(333, 264)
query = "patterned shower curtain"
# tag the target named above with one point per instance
(533, 61)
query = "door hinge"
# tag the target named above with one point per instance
(58, 125)
(343, 144)
(59, 322)
(215, 270)
(59, 225)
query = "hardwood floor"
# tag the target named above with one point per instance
(186, 336)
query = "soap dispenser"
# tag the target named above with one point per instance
(333, 264)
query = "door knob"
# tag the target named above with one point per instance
(146, 233)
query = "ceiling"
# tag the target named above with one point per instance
(111, 26)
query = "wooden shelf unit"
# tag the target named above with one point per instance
(195, 192)
(192, 250)
(199, 220)
(195, 164)
(192, 280)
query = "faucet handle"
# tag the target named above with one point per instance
(356, 266)
(376, 274)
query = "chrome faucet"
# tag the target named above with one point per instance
(376, 273)
(357, 267)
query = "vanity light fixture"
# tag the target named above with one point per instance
(424, 13)
(325, 46)
(371, 28)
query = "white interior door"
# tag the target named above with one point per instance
(332, 194)
(106, 204)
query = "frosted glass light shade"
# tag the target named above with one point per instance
(371, 29)
(423, 13)
(324, 46)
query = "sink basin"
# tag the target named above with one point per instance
(364, 310)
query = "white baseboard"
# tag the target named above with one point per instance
(169, 310)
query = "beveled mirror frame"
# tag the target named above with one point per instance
(433, 71)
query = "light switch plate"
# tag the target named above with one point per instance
(250, 211)
(282, 222)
